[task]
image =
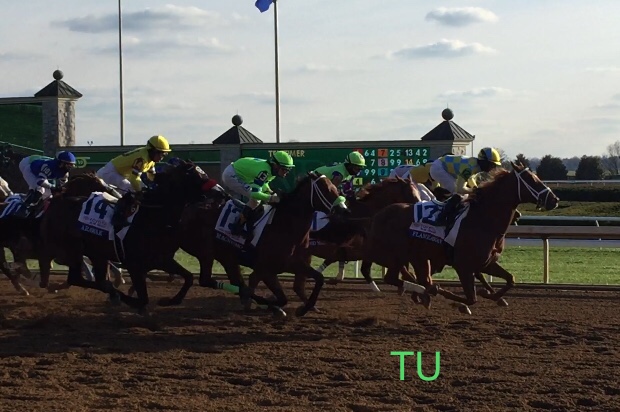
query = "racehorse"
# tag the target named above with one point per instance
(369, 200)
(22, 237)
(290, 221)
(487, 213)
(150, 241)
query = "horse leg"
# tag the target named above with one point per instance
(75, 277)
(272, 282)
(423, 275)
(138, 282)
(494, 269)
(319, 280)
(467, 282)
(89, 274)
(13, 277)
(174, 268)
(365, 269)
(118, 275)
(299, 287)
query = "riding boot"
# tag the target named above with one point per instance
(29, 205)
(449, 208)
(119, 219)
(238, 228)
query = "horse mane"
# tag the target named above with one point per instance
(371, 188)
(487, 188)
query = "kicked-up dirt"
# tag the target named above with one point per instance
(73, 351)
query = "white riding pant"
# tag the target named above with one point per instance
(31, 179)
(235, 184)
(109, 175)
(445, 179)
(401, 171)
(425, 193)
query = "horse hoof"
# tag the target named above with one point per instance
(118, 282)
(24, 292)
(464, 309)
(502, 302)
(301, 311)
(144, 311)
(374, 287)
(247, 305)
(401, 291)
(316, 310)
(278, 313)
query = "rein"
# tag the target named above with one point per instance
(340, 200)
(533, 192)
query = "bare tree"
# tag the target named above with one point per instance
(504, 158)
(611, 161)
(523, 160)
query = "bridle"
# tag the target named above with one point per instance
(314, 190)
(536, 194)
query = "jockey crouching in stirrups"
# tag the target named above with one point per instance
(454, 172)
(341, 174)
(250, 177)
(37, 172)
(124, 172)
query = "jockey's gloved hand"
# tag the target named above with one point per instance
(274, 198)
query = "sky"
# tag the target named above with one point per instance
(530, 76)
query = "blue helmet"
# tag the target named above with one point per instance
(66, 157)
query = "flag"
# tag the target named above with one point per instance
(263, 5)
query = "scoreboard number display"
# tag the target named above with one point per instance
(380, 162)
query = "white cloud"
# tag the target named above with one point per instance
(320, 68)
(609, 69)
(169, 17)
(176, 45)
(442, 49)
(478, 92)
(18, 56)
(461, 16)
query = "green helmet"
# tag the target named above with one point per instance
(355, 158)
(282, 159)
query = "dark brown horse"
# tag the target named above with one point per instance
(150, 242)
(350, 234)
(274, 253)
(22, 236)
(491, 209)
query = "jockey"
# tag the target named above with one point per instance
(343, 173)
(250, 177)
(420, 175)
(124, 171)
(454, 172)
(37, 171)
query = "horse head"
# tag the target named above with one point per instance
(315, 192)
(85, 184)
(531, 189)
(185, 181)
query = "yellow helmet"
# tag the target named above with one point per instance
(491, 155)
(159, 143)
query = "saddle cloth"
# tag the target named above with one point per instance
(230, 214)
(424, 224)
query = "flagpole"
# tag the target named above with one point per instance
(275, 25)
(120, 67)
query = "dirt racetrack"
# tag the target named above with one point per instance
(73, 351)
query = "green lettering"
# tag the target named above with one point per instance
(402, 361)
(437, 367)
